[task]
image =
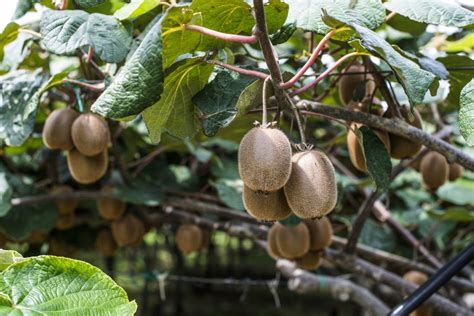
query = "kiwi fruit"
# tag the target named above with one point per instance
(401, 147)
(65, 221)
(311, 191)
(455, 171)
(57, 129)
(415, 165)
(418, 278)
(90, 134)
(59, 247)
(86, 169)
(110, 208)
(266, 206)
(356, 151)
(105, 243)
(272, 247)
(434, 170)
(189, 238)
(293, 241)
(36, 237)
(128, 230)
(350, 84)
(320, 233)
(264, 159)
(64, 206)
(310, 261)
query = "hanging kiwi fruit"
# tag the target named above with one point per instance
(455, 171)
(59, 247)
(86, 169)
(128, 230)
(401, 147)
(310, 261)
(320, 233)
(105, 243)
(90, 134)
(434, 170)
(109, 208)
(356, 89)
(293, 241)
(189, 238)
(418, 278)
(266, 206)
(272, 247)
(66, 206)
(57, 129)
(65, 221)
(37, 237)
(311, 191)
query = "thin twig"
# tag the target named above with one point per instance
(247, 72)
(223, 36)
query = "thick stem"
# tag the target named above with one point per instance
(247, 72)
(222, 36)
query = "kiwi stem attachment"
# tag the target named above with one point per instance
(79, 100)
(296, 114)
(264, 101)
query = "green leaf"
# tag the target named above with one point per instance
(465, 44)
(7, 258)
(458, 192)
(460, 73)
(404, 24)
(466, 113)
(291, 220)
(377, 158)
(139, 83)
(455, 214)
(378, 236)
(230, 192)
(22, 7)
(175, 110)
(48, 285)
(433, 12)
(283, 34)
(141, 192)
(8, 35)
(306, 14)
(276, 12)
(228, 16)
(135, 8)
(65, 31)
(89, 3)
(5, 194)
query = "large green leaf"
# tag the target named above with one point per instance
(228, 16)
(458, 192)
(141, 192)
(224, 98)
(8, 35)
(5, 194)
(276, 12)
(466, 113)
(404, 24)
(9, 257)
(48, 285)
(377, 158)
(89, 3)
(378, 236)
(306, 14)
(136, 8)
(455, 214)
(65, 31)
(230, 192)
(433, 12)
(460, 73)
(139, 83)
(175, 110)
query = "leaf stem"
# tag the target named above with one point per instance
(27, 31)
(64, 4)
(264, 101)
(242, 71)
(90, 55)
(223, 36)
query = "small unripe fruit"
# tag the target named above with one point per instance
(57, 129)
(320, 233)
(455, 171)
(110, 208)
(265, 159)
(65, 222)
(128, 230)
(293, 241)
(310, 261)
(67, 206)
(311, 191)
(349, 85)
(189, 238)
(272, 247)
(401, 147)
(266, 206)
(90, 134)
(105, 243)
(434, 170)
(86, 169)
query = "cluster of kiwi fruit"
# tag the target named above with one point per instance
(278, 182)
(190, 238)
(418, 278)
(85, 137)
(303, 243)
(435, 170)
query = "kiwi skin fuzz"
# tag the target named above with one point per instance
(189, 238)
(401, 147)
(110, 208)
(90, 134)
(311, 191)
(85, 169)
(265, 159)
(128, 230)
(65, 207)
(455, 171)
(57, 129)
(310, 261)
(293, 241)
(320, 233)
(349, 84)
(266, 206)
(105, 243)
(356, 151)
(272, 247)
(434, 170)
(418, 278)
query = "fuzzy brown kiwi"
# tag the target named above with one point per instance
(349, 84)
(434, 170)
(401, 147)
(57, 129)
(272, 247)
(90, 134)
(65, 222)
(265, 159)
(293, 241)
(189, 238)
(59, 247)
(128, 230)
(311, 191)
(310, 261)
(64, 206)
(455, 171)
(110, 208)
(418, 278)
(36, 237)
(266, 206)
(356, 151)
(320, 233)
(105, 243)
(86, 169)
